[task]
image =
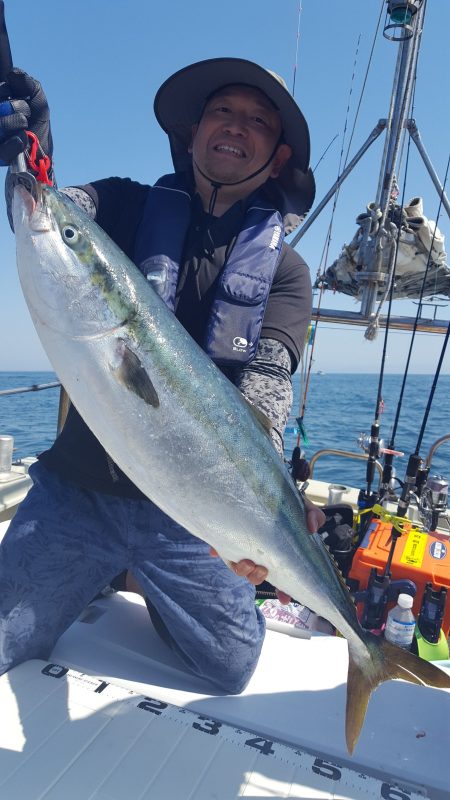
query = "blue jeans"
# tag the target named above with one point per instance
(66, 543)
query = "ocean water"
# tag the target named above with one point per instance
(339, 408)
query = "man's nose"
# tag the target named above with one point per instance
(236, 124)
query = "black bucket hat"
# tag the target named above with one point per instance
(179, 103)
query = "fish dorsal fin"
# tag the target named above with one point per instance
(260, 416)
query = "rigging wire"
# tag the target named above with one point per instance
(343, 162)
(328, 238)
(363, 88)
(325, 152)
(297, 47)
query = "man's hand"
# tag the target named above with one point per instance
(29, 111)
(257, 574)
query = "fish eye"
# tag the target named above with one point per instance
(70, 234)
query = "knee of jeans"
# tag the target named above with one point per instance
(235, 684)
(231, 668)
(234, 679)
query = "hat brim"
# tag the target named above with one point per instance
(180, 100)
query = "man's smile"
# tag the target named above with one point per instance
(230, 149)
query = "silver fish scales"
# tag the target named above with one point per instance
(178, 428)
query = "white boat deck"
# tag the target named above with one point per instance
(94, 735)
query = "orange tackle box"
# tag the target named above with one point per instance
(418, 557)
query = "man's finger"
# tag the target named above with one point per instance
(315, 517)
(283, 597)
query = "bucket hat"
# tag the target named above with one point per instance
(179, 104)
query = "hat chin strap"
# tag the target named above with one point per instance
(216, 185)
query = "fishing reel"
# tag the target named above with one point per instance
(364, 441)
(433, 502)
(300, 469)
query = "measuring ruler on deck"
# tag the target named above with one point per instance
(160, 750)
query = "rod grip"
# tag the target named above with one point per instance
(6, 61)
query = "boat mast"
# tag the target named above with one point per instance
(405, 27)
(404, 24)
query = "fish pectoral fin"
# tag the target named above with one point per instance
(387, 661)
(128, 370)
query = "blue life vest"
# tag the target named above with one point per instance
(237, 311)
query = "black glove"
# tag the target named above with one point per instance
(30, 112)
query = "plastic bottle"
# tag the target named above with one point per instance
(401, 623)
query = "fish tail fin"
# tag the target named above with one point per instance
(384, 662)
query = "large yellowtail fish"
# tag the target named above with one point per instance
(179, 429)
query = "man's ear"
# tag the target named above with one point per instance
(193, 132)
(281, 157)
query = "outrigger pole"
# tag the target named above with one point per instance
(404, 25)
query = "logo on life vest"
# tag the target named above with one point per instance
(240, 344)
(276, 235)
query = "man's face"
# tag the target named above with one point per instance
(236, 135)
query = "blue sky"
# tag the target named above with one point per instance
(102, 61)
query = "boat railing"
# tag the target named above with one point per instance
(331, 451)
(36, 387)
(434, 447)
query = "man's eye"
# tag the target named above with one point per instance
(260, 121)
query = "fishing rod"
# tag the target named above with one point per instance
(390, 452)
(386, 194)
(5, 49)
(416, 473)
(19, 166)
(422, 473)
(415, 461)
(381, 588)
(6, 65)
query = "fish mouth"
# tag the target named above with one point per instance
(25, 199)
(33, 207)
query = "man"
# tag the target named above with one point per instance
(210, 238)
